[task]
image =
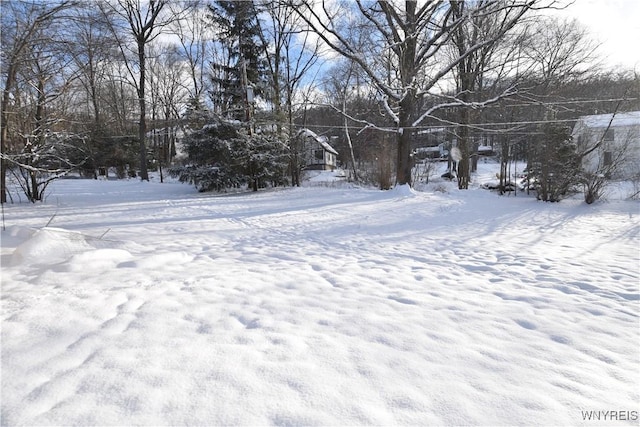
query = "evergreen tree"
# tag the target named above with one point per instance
(196, 114)
(554, 164)
(238, 32)
(221, 155)
(263, 159)
(210, 158)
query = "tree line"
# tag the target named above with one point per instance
(115, 84)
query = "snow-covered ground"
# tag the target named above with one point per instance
(152, 304)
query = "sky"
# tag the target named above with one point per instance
(616, 24)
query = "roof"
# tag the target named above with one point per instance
(321, 139)
(308, 133)
(327, 147)
(631, 118)
(427, 149)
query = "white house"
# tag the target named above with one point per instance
(318, 154)
(619, 138)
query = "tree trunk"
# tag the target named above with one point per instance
(4, 131)
(3, 164)
(142, 125)
(38, 141)
(35, 196)
(408, 70)
(294, 144)
(403, 168)
(351, 154)
(463, 146)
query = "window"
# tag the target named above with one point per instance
(319, 155)
(608, 158)
(609, 135)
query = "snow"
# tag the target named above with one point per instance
(631, 118)
(325, 177)
(129, 303)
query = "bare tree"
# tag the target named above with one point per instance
(482, 54)
(558, 51)
(145, 23)
(411, 36)
(167, 75)
(290, 54)
(346, 95)
(91, 52)
(22, 24)
(194, 38)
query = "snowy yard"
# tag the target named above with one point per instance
(318, 306)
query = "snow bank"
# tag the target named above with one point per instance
(50, 245)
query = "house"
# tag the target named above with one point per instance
(422, 154)
(486, 150)
(616, 139)
(317, 152)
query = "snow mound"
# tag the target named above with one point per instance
(404, 191)
(98, 259)
(16, 231)
(50, 245)
(14, 235)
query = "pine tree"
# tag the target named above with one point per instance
(263, 159)
(554, 164)
(210, 158)
(221, 156)
(238, 31)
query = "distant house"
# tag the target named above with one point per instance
(620, 136)
(318, 154)
(486, 150)
(438, 152)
